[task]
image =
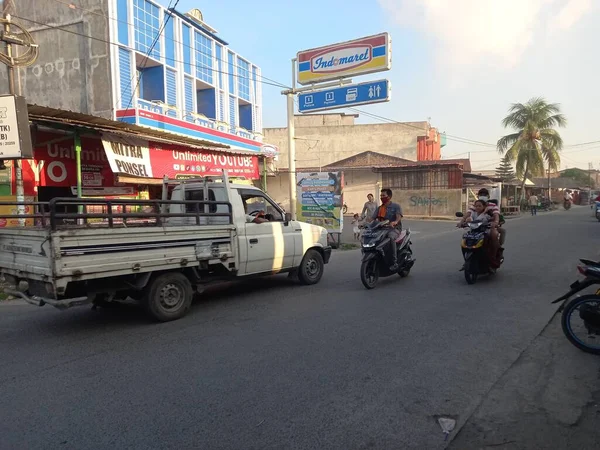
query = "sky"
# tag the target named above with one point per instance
(458, 63)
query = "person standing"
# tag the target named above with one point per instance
(533, 204)
(369, 208)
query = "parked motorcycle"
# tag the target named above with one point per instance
(585, 307)
(597, 208)
(475, 251)
(567, 204)
(377, 254)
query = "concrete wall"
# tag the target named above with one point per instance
(437, 203)
(357, 185)
(72, 72)
(326, 138)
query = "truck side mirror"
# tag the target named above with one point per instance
(288, 217)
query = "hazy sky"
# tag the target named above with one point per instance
(459, 62)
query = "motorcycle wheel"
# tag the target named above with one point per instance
(369, 273)
(405, 272)
(344, 209)
(567, 313)
(598, 216)
(471, 271)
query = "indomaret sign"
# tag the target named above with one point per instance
(127, 155)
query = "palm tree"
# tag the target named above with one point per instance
(535, 139)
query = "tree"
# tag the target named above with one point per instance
(579, 175)
(505, 170)
(534, 139)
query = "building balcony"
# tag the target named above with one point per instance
(158, 115)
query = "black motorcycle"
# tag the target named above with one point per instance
(377, 254)
(585, 309)
(475, 250)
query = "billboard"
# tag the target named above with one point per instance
(319, 199)
(358, 57)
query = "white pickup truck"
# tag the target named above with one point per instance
(159, 253)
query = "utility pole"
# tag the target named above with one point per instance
(590, 166)
(9, 8)
(291, 95)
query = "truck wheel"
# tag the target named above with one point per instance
(311, 268)
(168, 297)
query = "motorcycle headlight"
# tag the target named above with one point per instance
(368, 245)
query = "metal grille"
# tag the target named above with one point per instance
(172, 91)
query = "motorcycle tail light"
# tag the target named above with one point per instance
(581, 269)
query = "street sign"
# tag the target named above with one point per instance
(352, 95)
(358, 57)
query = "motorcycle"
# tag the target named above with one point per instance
(476, 252)
(588, 307)
(597, 206)
(567, 204)
(377, 258)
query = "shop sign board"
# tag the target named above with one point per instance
(369, 54)
(15, 135)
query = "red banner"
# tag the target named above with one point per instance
(54, 164)
(174, 162)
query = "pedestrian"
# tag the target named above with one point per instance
(369, 208)
(533, 204)
(355, 228)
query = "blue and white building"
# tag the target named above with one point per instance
(172, 71)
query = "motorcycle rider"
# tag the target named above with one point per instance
(492, 210)
(568, 197)
(393, 212)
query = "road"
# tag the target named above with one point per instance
(270, 365)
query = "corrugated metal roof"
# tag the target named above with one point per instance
(44, 115)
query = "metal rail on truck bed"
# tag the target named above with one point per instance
(98, 239)
(100, 212)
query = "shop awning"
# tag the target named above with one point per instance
(44, 115)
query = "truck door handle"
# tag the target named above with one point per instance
(254, 241)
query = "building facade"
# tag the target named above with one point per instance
(322, 139)
(139, 62)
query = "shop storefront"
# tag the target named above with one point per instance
(113, 166)
(76, 154)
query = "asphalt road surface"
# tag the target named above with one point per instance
(272, 365)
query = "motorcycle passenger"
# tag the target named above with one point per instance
(484, 195)
(568, 196)
(393, 212)
(483, 213)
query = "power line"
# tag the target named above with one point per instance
(56, 27)
(145, 61)
(196, 50)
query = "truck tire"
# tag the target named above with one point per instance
(168, 297)
(311, 268)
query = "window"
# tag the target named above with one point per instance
(204, 57)
(222, 97)
(198, 196)
(254, 80)
(232, 114)
(125, 78)
(231, 70)
(253, 202)
(189, 98)
(187, 50)
(219, 57)
(146, 21)
(243, 79)
(170, 40)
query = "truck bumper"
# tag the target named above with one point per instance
(326, 254)
(41, 301)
